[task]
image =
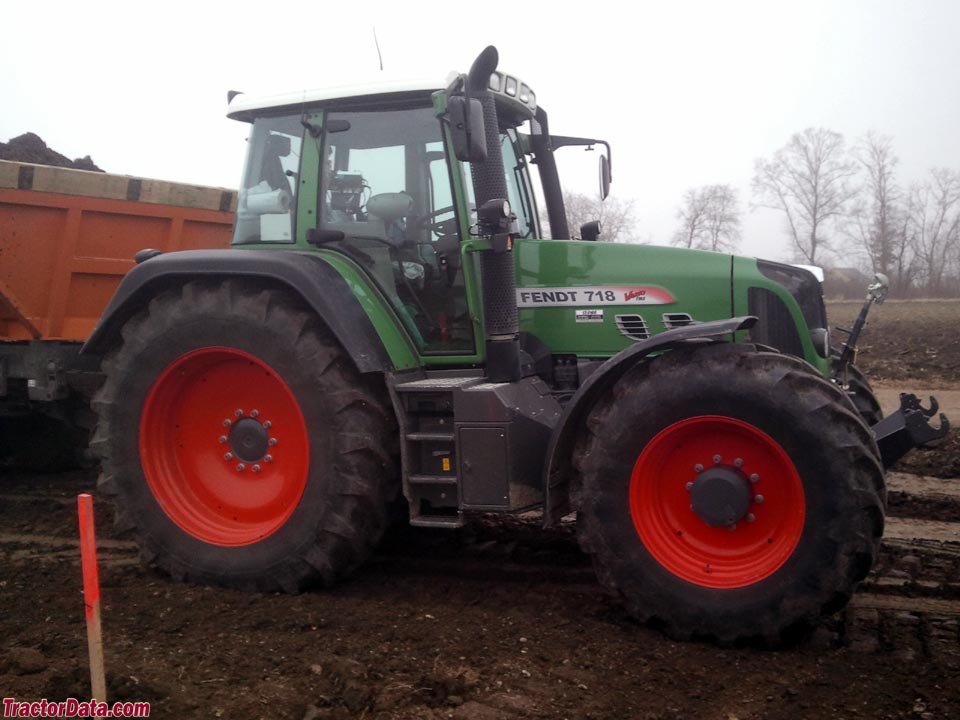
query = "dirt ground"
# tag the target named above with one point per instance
(917, 340)
(911, 345)
(497, 620)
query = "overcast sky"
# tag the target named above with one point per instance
(688, 93)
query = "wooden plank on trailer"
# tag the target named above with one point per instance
(67, 181)
(78, 182)
(9, 173)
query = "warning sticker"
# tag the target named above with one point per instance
(605, 295)
(590, 316)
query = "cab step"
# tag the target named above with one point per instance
(449, 522)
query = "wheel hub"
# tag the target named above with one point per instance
(721, 495)
(249, 440)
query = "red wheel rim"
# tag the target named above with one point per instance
(758, 544)
(224, 447)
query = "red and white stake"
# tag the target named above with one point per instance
(91, 596)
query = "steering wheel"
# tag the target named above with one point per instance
(429, 221)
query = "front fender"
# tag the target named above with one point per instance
(307, 275)
(557, 470)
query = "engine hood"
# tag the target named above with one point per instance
(595, 298)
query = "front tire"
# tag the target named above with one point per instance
(861, 394)
(728, 494)
(240, 443)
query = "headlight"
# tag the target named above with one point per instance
(821, 341)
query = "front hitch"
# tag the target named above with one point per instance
(907, 428)
(876, 293)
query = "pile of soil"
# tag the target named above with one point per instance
(31, 148)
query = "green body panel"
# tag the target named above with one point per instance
(699, 283)
(395, 339)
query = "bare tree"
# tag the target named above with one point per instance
(616, 216)
(875, 214)
(810, 180)
(709, 219)
(934, 221)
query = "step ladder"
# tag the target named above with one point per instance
(431, 479)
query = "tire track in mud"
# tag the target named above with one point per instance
(910, 603)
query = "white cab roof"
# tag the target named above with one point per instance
(244, 105)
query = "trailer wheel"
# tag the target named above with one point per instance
(728, 494)
(240, 443)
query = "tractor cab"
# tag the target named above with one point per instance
(373, 172)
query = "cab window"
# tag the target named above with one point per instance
(266, 204)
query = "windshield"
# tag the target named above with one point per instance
(267, 200)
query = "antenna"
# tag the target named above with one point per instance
(377, 43)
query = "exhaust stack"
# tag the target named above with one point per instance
(498, 274)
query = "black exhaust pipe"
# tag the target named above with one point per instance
(497, 270)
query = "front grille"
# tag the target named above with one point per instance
(633, 326)
(675, 320)
(775, 326)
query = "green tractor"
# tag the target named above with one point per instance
(391, 327)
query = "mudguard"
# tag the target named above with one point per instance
(557, 471)
(317, 283)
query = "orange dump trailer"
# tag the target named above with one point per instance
(67, 237)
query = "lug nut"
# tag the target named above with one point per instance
(228, 457)
(698, 468)
(758, 499)
(268, 424)
(751, 517)
(273, 442)
(754, 478)
(731, 527)
(738, 462)
(254, 413)
(717, 458)
(238, 412)
(256, 468)
(241, 467)
(228, 422)
(222, 439)
(268, 458)
(689, 486)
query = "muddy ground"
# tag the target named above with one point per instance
(911, 345)
(496, 620)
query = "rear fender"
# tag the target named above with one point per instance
(318, 284)
(558, 470)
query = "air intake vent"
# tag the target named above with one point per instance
(675, 320)
(633, 326)
(776, 327)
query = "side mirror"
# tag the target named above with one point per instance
(604, 177)
(467, 129)
(590, 231)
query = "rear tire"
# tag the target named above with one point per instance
(812, 537)
(240, 443)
